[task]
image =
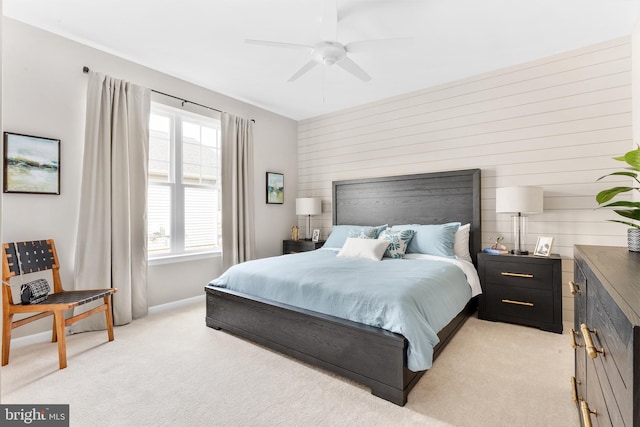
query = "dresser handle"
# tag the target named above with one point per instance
(508, 301)
(574, 389)
(586, 413)
(588, 342)
(574, 344)
(506, 273)
(575, 290)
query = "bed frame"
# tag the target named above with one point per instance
(371, 356)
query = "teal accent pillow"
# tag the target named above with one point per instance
(399, 241)
(339, 234)
(431, 239)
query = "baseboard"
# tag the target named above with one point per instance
(46, 336)
(176, 304)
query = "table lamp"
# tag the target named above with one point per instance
(519, 201)
(308, 206)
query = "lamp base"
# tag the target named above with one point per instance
(519, 230)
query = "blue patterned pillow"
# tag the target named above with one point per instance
(399, 242)
(431, 239)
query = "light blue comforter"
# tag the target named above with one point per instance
(412, 297)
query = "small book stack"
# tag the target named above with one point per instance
(495, 251)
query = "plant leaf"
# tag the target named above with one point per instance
(633, 159)
(631, 214)
(622, 203)
(630, 174)
(606, 195)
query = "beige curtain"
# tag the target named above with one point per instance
(238, 234)
(111, 247)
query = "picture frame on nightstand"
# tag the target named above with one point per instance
(543, 246)
(316, 235)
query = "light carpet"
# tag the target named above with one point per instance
(169, 369)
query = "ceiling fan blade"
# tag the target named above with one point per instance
(367, 45)
(354, 69)
(305, 68)
(278, 44)
(329, 29)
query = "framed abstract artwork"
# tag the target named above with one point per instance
(31, 164)
(275, 188)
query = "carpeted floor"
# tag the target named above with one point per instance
(169, 369)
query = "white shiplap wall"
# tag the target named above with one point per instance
(555, 122)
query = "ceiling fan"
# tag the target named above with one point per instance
(328, 51)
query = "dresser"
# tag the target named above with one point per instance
(606, 335)
(522, 289)
(295, 246)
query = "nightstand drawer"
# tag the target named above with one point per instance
(295, 246)
(523, 274)
(526, 305)
(302, 246)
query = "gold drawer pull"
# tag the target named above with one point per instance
(506, 273)
(575, 290)
(574, 389)
(588, 342)
(574, 344)
(508, 301)
(586, 413)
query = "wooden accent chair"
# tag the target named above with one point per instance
(22, 258)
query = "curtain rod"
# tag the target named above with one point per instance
(85, 70)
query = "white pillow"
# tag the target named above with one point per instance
(363, 248)
(461, 243)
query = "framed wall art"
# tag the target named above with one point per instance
(31, 164)
(275, 188)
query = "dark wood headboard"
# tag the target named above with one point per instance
(430, 198)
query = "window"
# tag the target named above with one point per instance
(184, 183)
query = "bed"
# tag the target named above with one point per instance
(371, 356)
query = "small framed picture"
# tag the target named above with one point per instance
(31, 164)
(543, 246)
(275, 188)
(316, 235)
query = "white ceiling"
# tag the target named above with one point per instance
(202, 41)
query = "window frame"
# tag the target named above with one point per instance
(177, 187)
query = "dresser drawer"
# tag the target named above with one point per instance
(529, 275)
(613, 333)
(526, 305)
(595, 400)
(580, 316)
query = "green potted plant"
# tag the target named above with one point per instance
(631, 211)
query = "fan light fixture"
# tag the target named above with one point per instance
(329, 51)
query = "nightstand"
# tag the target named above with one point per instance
(293, 246)
(523, 289)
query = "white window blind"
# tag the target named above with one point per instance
(184, 182)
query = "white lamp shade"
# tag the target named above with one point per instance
(526, 200)
(308, 206)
